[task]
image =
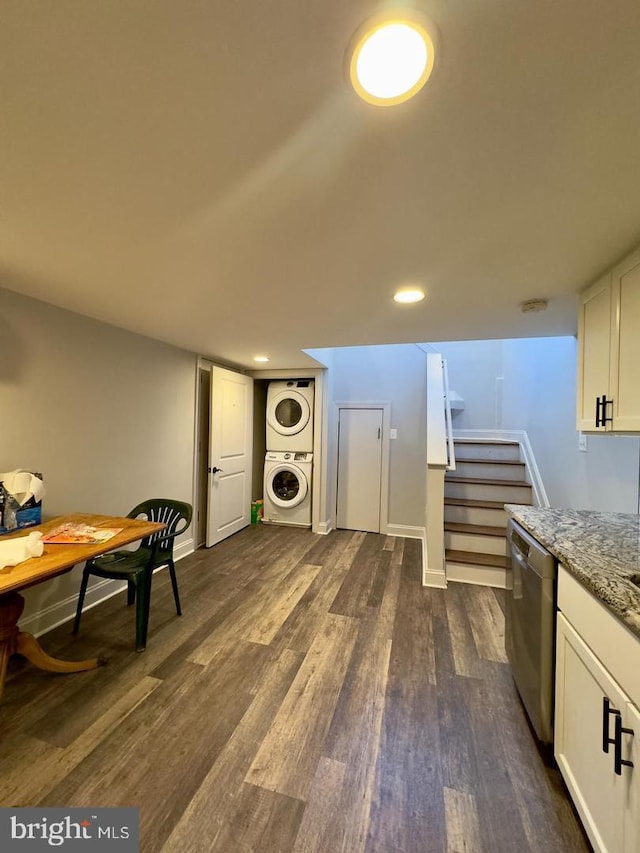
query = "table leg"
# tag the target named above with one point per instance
(13, 641)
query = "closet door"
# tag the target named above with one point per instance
(359, 469)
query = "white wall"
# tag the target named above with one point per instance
(530, 384)
(394, 374)
(106, 415)
(328, 495)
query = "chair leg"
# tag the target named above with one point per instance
(81, 594)
(174, 584)
(143, 598)
(131, 593)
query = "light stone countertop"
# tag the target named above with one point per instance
(601, 549)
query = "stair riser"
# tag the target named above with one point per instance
(477, 543)
(487, 451)
(489, 471)
(481, 492)
(475, 515)
(479, 575)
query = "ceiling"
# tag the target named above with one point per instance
(201, 173)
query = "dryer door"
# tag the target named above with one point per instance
(288, 412)
(287, 486)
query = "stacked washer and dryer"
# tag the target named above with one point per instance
(288, 465)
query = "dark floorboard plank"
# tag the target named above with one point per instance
(464, 652)
(354, 736)
(457, 742)
(463, 823)
(355, 590)
(486, 620)
(380, 579)
(407, 811)
(264, 820)
(324, 820)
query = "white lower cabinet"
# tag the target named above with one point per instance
(588, 701)
(632, 805)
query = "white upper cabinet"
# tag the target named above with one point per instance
(625, 345)
(609, 351)
(594, 346)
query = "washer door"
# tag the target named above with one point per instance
(286, 486)
(288, 412)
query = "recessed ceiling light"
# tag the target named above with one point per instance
(391, 57)
(407, 295)
(261, 359)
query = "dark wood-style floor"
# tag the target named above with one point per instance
(313, 697)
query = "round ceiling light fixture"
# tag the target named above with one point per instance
(391, 57)
(408, 295)
(261, 359)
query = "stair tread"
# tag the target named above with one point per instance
(481, 481)
(473, 557)
(474, 503)
(477, 529)
(490, 461)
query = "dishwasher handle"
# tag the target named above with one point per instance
(523, 562)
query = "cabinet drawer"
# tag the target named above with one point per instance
(617, 648)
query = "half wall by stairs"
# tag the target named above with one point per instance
(489, 473)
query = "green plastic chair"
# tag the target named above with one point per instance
(136, 567)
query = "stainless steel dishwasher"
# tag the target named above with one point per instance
(530, 626)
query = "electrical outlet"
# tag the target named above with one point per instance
(582, 442)
(393, 433)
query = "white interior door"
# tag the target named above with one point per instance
(230, 454)
(359, 469)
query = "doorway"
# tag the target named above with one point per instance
(223, 464)
(230, 454)
(362, 466)
(202, 455)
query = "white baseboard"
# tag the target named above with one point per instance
(65, 610)
(183, 549)
(409, 531)
(434, 580)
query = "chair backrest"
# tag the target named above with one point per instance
(175, 514)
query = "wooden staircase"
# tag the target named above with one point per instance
(488, 475)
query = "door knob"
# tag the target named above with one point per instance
(214, 470)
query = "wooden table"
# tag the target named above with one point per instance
(56, 560)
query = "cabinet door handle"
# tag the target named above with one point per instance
(601, 411)
(618, 760)
(606, 711)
